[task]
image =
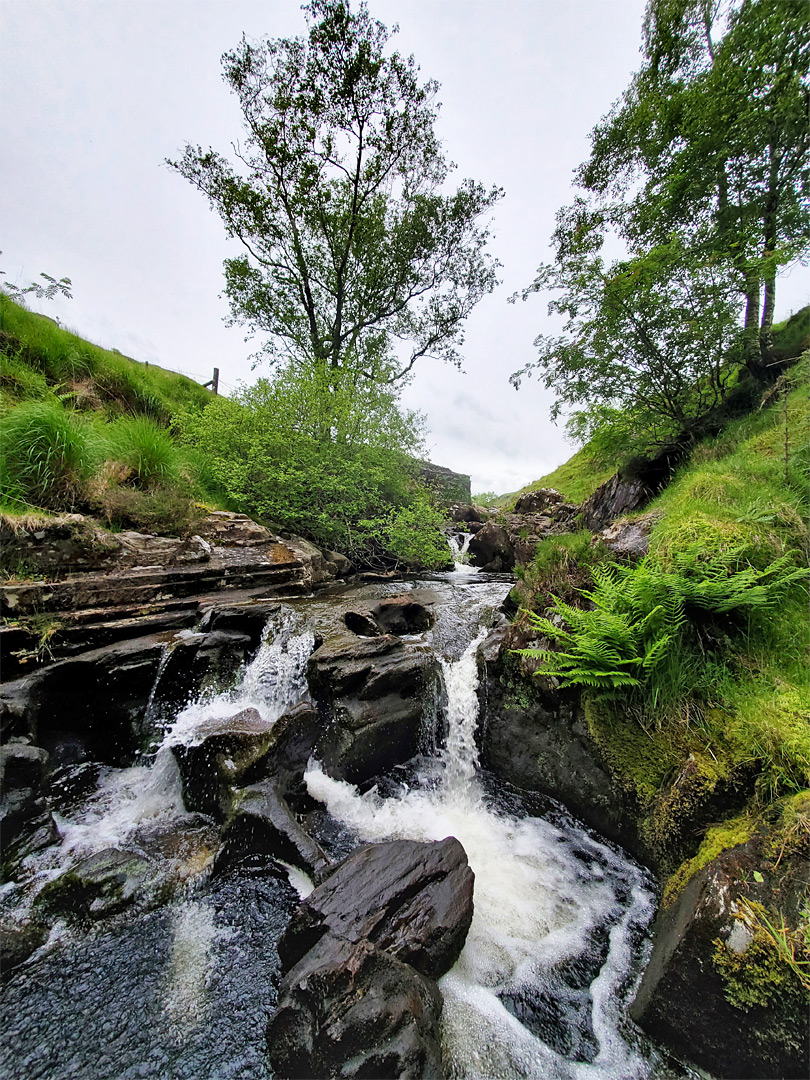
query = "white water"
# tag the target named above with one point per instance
(460, 553)
(541, 892)
(127, 800)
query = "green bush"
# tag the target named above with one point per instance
(145, 448)
(46, 454)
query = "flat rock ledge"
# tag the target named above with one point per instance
(361, 955)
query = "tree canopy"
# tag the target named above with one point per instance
(354, 255)
(702, 169)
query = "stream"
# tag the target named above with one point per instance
(555, 950)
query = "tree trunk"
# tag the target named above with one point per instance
(766, 327)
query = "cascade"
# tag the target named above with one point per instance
(539, 990)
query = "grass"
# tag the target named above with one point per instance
(87, 429)
(35, 348)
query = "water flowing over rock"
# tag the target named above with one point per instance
(351, 1000)
(373, 689)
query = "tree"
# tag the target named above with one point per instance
(646, 342)
(354, 258)
(711, 140)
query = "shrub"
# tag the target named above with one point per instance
(46, 453)
(145, 448)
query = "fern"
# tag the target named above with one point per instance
(636, 636)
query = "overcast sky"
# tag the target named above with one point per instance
(97, 93)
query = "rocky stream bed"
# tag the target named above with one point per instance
(262, 843)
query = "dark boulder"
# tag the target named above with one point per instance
(224, 749)
(99, 696)
(492, 550)
(26, 824)
(348, 1009)
(262, 824)
(360, 955)
(537, 738)
(362, 624)
(293, 739)
(716, 991)
(543, 500)
(413, 899)
(615, 497)
(402, 615)
(370, 689)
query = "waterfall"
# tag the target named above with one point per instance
(547, 898)
(128, 799)
(459, 544)
(539, 989)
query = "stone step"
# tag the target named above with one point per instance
(140, 588)
(29, 645)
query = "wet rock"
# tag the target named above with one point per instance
(370, 689)
(196, 662)
(684, 1001)
(492, 550)
(17, 942)
(223, 751)
(412, 899)
(537, 738)
(615, 497)
(96, 887)
(362, 624)
(629, 539)
(22, 766)
(249, 618)
(351, 1010)
(360, 955)
(293, 738)
(402, 615)
(99, 696)
(262, 823)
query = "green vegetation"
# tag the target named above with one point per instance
(85, 429)
(576, 479)
(701, 169)
(356, 257)
(695, 661)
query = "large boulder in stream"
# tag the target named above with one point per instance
(371, 690)
(360, 956)
(243, 749)
(718, 990)
(492, 550)
(262, 824)
(222, 751)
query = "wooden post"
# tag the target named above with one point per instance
(214, 383)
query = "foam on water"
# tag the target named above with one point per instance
(543, 892)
